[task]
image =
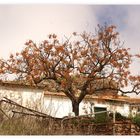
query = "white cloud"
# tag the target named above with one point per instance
(131, 34)
(22, 22)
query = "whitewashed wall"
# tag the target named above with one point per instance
(60, 106)
(57, 106)
(123, 109)
(32, 98)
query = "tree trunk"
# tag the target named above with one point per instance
(75, 108)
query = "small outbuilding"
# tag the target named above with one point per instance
(57, 104)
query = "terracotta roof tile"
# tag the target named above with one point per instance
(95, 97)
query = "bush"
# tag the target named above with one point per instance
(118, 117)
(101, 118)
(136, 120)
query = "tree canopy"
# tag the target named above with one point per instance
(76, 63)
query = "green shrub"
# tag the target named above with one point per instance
(118, 117)
(101, 118)
(136, 120)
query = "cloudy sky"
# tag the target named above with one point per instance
(18, 23)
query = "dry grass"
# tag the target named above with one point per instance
(23, 126)
(32, 125)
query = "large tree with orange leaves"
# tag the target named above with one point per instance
(76, 64)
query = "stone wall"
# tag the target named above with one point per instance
(84, 128)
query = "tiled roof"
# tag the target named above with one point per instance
(19, 85)
(118, 98)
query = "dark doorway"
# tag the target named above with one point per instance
(101, 117)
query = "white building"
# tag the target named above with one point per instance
(59, 105)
